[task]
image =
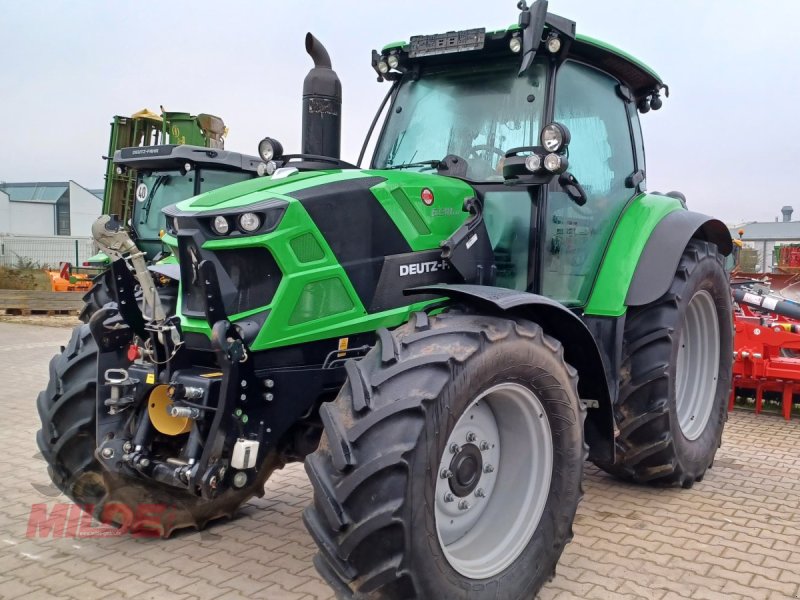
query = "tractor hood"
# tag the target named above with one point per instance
(421, 206)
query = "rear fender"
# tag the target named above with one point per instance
(580, 348)
(662, 253)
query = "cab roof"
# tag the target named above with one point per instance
(639, 77)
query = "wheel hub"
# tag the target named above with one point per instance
(467, 467)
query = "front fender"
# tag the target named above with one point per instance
(580, 348)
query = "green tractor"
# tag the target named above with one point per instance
(154, 161)
(444, 337)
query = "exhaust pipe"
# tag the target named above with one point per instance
(322, 104)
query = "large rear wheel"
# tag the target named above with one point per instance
(67, 442)
(676, 375)
(451, 463)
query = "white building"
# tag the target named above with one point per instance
(48, 208)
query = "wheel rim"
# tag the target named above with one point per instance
(488, 506)
(697, 366)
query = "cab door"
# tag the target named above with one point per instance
(601, 157)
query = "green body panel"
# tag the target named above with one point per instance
(630, 236)
(304, 280)
(99, 260)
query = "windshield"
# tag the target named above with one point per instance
(157, 189)
(154, 191)
(475, 111)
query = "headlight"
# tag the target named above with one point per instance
(269, 149)
(220, 225)
(392, 61)
(383, 67)
(249, 222)
(555, 163)
(533, 163)
(554, 137)
(515, 44)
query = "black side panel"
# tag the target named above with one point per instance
(401, 271)
(356, 227)
(659, 260)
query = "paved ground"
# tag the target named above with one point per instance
(735, 535)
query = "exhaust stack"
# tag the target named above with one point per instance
(322, 104)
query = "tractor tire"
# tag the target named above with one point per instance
(450, 464)
(97, 297)
(67, 443)
(676, 376)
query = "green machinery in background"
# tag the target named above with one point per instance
(146, 128)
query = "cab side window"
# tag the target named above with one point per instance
(601, 158)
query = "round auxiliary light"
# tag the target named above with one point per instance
(261, 169)
(533, 163)
(515, 44)
(220, 225)
(187, 167)
(271, 167)
(553, 44)
(269, 149)
(249, 222)
(383, 67)
(119, 170)
(393, 61)
(552, 162)
(554, 137)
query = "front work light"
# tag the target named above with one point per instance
(554, 137)
(393, 61)
(533, 163)
(383, 67)
(220, 225)
(269, 149)
(555, 163)
(249, 222)
(553, 44)
(515, 44)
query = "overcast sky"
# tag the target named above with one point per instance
(728, 136)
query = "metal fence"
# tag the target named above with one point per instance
(50, 251)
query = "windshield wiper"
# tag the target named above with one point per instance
(433, 164)
(160, 180)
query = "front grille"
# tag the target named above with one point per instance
(248, 278)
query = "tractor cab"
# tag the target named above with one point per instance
(548, 136)
(168, 174)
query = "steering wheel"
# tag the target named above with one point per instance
(482, 150)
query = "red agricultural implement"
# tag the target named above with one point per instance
(766, 346)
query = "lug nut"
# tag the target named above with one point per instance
(127, 447)
(471, 437)
(107, 453)
(463, 505)
(144, 463)
(484, 446)
(269, 383)
(446, 474)
(269, 397)
(448, 497)
(488, 469)
(455, 448)
(480, 493)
